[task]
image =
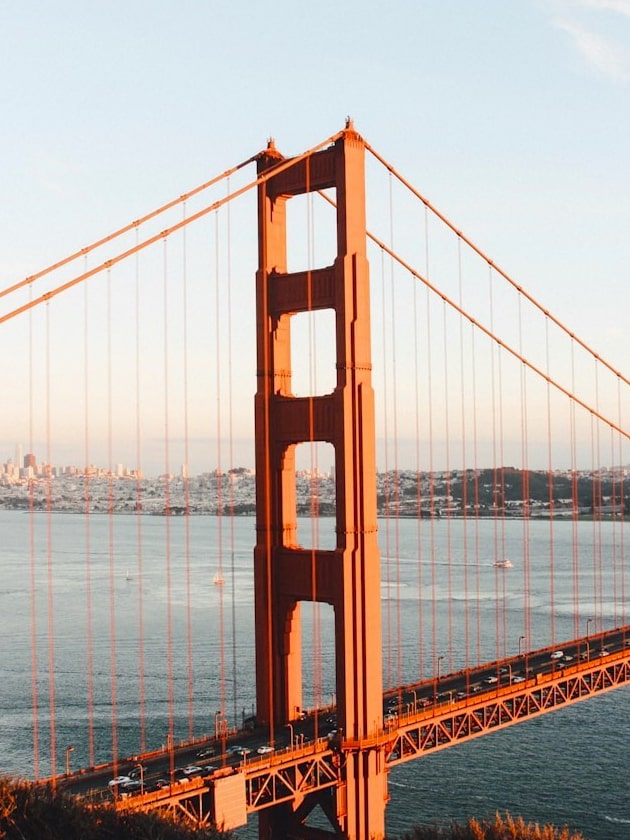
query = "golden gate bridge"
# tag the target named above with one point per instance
(376, 337)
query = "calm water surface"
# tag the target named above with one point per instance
(84, 584)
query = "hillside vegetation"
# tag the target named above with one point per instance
(37, 812)
(500, 828)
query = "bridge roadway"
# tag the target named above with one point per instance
(225, 779)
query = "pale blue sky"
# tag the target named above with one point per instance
(512, 116)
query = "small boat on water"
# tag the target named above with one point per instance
(503, 564)
(218, 580)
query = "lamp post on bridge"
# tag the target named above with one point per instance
(437, 680)
(589, 621)
(69, 749)
(521, 639)
(141, 769)
(290, 728)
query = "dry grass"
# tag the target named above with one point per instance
(33, 812)
(501, 828)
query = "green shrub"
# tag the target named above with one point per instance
(501, 828)
(39, 812)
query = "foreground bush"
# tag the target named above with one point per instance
(501, 828)
(33, 812)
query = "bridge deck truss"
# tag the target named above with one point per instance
(440, 727)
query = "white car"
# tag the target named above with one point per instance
(192, 770)
(265, 749)
(119, 780)
(557, 654)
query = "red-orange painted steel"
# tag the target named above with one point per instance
(347, 577)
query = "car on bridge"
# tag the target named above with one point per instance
(119, 780)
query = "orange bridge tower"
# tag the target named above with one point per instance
(347, 577)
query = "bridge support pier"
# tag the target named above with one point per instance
(286, 574)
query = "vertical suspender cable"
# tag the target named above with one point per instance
(32, 556)
(594, 501)
(431, 476)
(502, 509)
(621, 511)
(49, 548)
(395, 472)
(495, 486)
(614, 512)
(527, 629)
(434, 638)
(416, 357)
(219, 474)
(386, 479)
(464, 468)
(89, 642)
(186, 483)
(139, 544)
(475, 489)
(231, 455)
(447, 452)
(575, 505)
(110, 524)
(167, 517)
(597, 513)
(552, 588)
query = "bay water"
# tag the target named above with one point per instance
(125, 612)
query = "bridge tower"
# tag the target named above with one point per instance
(286, 574)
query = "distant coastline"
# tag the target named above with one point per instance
(488, 493)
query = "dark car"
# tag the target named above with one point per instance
(130, 786)
(160, 783)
